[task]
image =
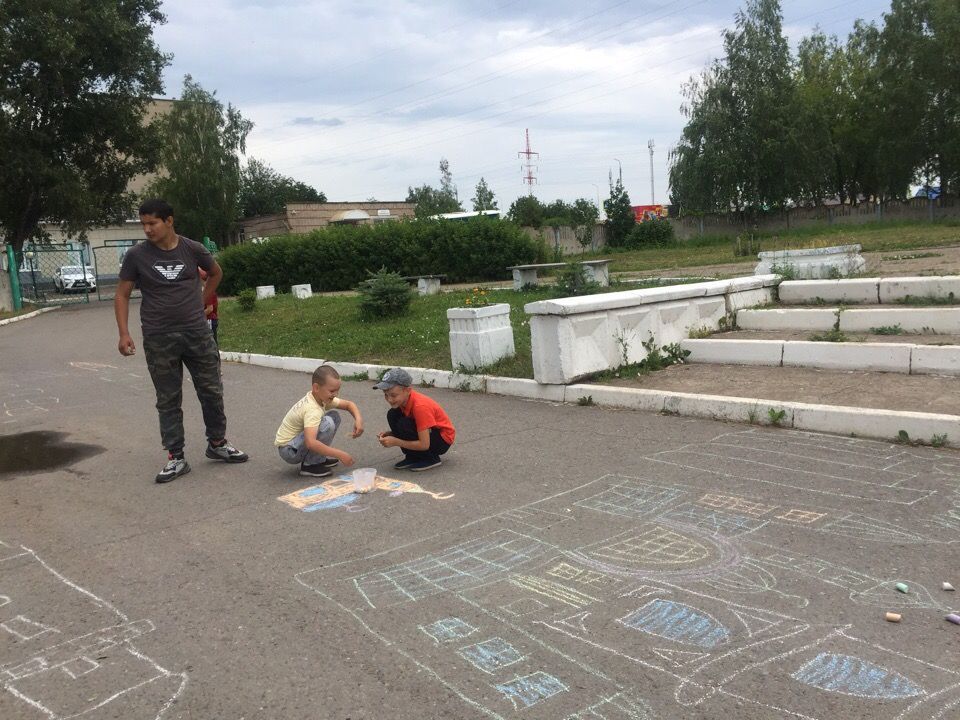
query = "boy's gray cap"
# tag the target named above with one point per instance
(392, 378)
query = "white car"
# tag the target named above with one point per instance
(75, 277)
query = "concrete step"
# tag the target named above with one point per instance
(869, 290)
(924, 320)
(904, 358)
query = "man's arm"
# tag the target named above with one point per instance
(214, 276)
(121, 308)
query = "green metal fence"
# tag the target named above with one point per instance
(107, 260)
(51, 274)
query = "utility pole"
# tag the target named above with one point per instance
(528, 168)
(620, 165)
(653, 195)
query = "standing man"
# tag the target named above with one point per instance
(175, 332)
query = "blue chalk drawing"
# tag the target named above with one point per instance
(851, 675)
(528, 690)
(335, 503)
(490, 655)
(631, 498)
(678, 622)
(448, 629)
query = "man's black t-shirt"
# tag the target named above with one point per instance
(170, 284)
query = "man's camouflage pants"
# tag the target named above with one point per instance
(166, 354)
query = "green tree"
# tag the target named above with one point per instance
(620, 217)
(431, 201)
(583, 218)
(527, 211)
(483, 197)
(264, 191)
(202, 142)
(75, 82)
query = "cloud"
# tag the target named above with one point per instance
(317, 122)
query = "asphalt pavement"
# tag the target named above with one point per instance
(564, 562)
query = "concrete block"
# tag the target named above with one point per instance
(749, 298)
(430, 378)
(814, 263)
(265, 291)
(298, 364)
(880, 357)
(302, 292)
(428, 286)
(858, 290)
(567, 348)
(271, 361)
(598, 272)
(874, 423)
(789, 319)
(734, 352)
(350, 369)
(524, 388)
(722, 407)
(607, 396)
(944, 320)
(480, 336)
(898, 288)
(934, 360)
(375, 372)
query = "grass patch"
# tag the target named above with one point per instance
(832, 335)
(910, 256)
(330, 327)
(16, 313)
(887, 330)
(720, 250)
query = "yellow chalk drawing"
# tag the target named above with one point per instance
(339, 491)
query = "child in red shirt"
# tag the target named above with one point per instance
(210, 310)
(418, 425)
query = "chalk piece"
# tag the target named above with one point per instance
(954, 618)
(947, 586)
(892, 617)
(902, 587)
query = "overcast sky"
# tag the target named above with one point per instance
(361, 98)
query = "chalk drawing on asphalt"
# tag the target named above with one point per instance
(448, 630)
(339, 492)
(689, 585)
(55, 673)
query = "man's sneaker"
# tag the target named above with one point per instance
(405, 463)
(329, 462)
(175, 467)
(422, 465)
(319, 470)
(226, 452)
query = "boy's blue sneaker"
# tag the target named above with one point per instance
(403, 464)
(422, 465)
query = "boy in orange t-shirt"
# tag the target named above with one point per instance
(418, 425)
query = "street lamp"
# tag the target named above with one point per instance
(620, 165)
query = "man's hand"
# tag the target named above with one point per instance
(357, 429)
(126, 346)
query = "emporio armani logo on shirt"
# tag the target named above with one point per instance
(170, 270)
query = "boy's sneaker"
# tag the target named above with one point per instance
(319, 470)
(329, 462)
(175, 467)
(405, 463)
(422, 465)
(226, 452)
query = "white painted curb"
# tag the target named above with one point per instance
(27, 316)
(788, 319)
(860, 290)
(834, 419)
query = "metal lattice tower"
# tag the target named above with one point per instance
(528, 168)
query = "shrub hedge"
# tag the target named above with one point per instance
(650, 233)
(339, 257)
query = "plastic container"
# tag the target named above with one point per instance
(363, 479)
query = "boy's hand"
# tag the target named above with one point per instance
(346, 459)
(208, 310)
(388, 440)
(357, 429)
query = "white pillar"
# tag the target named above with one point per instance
(265, 291)
(302, 292)
(480, 336)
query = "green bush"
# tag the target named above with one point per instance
(246, 299)
(339, 257)
(650, 233)
(384, 294)
(572, 280)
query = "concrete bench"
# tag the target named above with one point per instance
(597, 271)
(426, 284)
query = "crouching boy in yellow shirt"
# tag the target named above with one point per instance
(309, 426)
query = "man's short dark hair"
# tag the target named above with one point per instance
(157, 207)
(324, 373)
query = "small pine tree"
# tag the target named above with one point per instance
(620, 218)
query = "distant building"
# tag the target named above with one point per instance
(302, 217)
(466, 215)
